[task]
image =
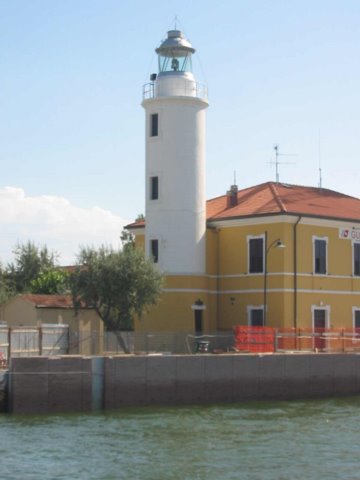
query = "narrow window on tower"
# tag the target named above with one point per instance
(154, 125)
(357, 259)
(154, 188)
(154, 250)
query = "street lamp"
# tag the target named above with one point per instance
(275, 244)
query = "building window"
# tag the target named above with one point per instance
(256, 255)
(154, 125)
(154, 188)
(320, 255)
(256, 317)
(356, 256)
(154, 250)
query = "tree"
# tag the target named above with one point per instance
(127, 238)
(30, 261)
(119, 284)
(5, 290)
(51, 282)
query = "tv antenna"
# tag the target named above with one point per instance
(320, 169)
(277, 162)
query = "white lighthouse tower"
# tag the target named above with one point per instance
(175, 107)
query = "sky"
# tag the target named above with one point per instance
(72, 139)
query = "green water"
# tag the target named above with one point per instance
(262, 440)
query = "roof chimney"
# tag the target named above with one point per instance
(231, 196)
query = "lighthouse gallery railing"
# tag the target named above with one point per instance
(186, 89)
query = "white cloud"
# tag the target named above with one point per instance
(53, 221)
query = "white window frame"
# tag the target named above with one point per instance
(254, 237)
(325, 239)
(249, 309)
(327, 319)
(327, 314)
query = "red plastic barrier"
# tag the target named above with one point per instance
(254, 339)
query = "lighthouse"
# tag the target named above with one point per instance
(175, 105)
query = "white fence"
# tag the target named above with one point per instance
(47, 340)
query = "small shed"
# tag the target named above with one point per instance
(86, 328)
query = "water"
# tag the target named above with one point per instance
(262, 440)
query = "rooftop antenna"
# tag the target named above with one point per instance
(174, 23)
(320, 171)
(277, 162)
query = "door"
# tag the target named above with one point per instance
(198, 322)
(256, 317)
(319, 329)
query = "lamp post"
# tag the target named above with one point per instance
(276, 244)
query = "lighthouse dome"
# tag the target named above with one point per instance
(175, 45)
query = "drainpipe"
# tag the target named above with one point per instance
(216, 232)
(295, 273)
(265, 277)
(217, 278)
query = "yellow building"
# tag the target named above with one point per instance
(277, 255)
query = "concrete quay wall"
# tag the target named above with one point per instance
(69, 384)
(196, 379)
(55, 385)
(3, 390)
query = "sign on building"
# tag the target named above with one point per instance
(349, 233)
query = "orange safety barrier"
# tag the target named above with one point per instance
(296, 339)
(254, 339)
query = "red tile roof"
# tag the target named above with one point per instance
(272, 198)
(279, 198)
(49, 301)
(136, 224)
(68, 268)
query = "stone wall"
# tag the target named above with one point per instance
(51, 385)
(3, 391)
(191, 379)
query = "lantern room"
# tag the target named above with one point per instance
(175, 54)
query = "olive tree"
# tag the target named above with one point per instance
(119, 284)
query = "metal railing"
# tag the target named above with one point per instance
(49, 341)
(184, 89)
(318, 340)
